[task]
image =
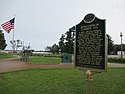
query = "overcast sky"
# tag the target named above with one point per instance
(42, 22)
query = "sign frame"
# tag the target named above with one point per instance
(94, 25)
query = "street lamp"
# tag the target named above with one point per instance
(121, 43)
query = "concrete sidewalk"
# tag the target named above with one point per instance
(116, 65)
(7, 65)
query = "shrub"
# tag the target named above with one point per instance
(116, 60)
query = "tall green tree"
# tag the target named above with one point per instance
(110, 44)
(66, 43)
(62, 43)
(70, 35)
(2, 41)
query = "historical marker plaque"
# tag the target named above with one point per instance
(90, 43)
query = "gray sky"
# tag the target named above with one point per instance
(42, 22)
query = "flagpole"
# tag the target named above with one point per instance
(13, 42)
(13, 48)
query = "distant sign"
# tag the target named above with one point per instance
(66, 58)
(90, 43)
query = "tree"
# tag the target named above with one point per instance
(110, 44)
(66, 43)
(16, 44)
(2, 41)
(20, 44)
(69, 42)
(55, 49)
(48, 48)
(62, 43)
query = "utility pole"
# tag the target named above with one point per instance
(121, 44)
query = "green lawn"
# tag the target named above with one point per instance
(5, 55)
(44, 60)
(61, 81)
(110, 82)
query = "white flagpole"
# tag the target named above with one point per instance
(13, 46)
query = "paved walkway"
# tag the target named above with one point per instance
(8, 65)
(116, 65)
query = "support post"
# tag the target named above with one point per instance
(89, 78)
(121, 45)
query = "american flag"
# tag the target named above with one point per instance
(7, 26)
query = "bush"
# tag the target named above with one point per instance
(116, 60)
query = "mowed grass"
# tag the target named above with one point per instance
(110, 82)
(5, 55)
(42, 81)
(61, 81)
(44, 60)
